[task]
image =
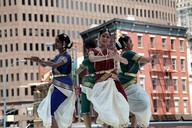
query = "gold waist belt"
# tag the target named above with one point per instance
(90, 75)
(130, 74)
(104, 71)
(59, 75)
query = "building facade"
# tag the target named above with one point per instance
(166, 79)
(27, 25)
(184, 14)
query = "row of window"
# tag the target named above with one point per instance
(61, 3)
(157, 105)
(16, 92)
(17, 63)
(61, 19)
(16, 77)
(38, 32)
(30, 47)
(166, 43)
(171, 64)
(167, 84)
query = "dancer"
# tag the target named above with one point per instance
(138, 99)
(107, 95)
(88, 81)
(58, 106)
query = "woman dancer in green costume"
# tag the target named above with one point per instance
(88, 81)
(138, 98)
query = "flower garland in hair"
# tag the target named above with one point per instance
(119, 44)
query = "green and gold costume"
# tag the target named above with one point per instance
(89, 81)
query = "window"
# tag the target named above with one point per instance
(72, 20)
(1, 64)
(175, 85)
(76, 5)
(47, 18)
(77, 20)
(152, 42)
(16, 32)
(42, 47)
(182, 64)
(112, 10)
(36, 32)
(155, 105)
(167, 84)
(81, 5)
(168, 105)
(42, 32)
(184, 86)
(41, 17)
(116, 10)
(154, 83)
(30, 32)
(82, 21)
(32, 76)
(37, 47)
(95, 8)
(57, 3)
(24, 17)
(12, 92)
(24, 32)
(10, 17)
(31, 47)
(26, 76)
(11, 33)
(16, 47)
(25, 46)
(140, 41)
(58, 19)
(173, 44)
(40, 2)
(164, 43)
(53, 32)
(18, 92)
(35, 17)
(26, 91)
(6, 49)
(46, 2)
(174, 63)
(63, 19)
(47, 32)
(5, 32)
(181, 45)
(35, 2)
(176, 102)
(17, 76)
(68, 20)
(11, 46)
(185, 105)
(52, 3)
(85, 6)
(15, 17)
(165, 63)
(67, 3)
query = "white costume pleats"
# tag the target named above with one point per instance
(139, 104)
(111, 106)
(64, 113)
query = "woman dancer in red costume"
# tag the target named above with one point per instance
(108, 96)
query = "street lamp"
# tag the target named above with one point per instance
(5, 93)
